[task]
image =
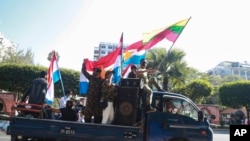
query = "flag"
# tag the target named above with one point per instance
(137, 51)
(133, 54)
(53, 76)
(118, 63)
(112, 61)
(171, 33)
(84, 84)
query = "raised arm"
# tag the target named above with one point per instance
(84, 70)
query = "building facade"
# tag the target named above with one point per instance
(226, 68)
(104, 49)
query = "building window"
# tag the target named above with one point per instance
(110, 47)
(103, 52)
(103, 46)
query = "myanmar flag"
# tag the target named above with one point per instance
(171, 33)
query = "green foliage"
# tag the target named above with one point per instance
(171, 66)
(12, 56)
(198, 90)
(235, 94)
(17, 78)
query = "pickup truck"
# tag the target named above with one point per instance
(131, 122)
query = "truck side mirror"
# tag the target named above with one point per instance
(200, 116)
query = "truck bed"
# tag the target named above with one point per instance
(49, 129)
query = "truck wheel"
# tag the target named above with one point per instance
(13, 138)
(17, 138)
(178, 139)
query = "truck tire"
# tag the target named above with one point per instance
(178, 139)
(13, 138)
(16, 138)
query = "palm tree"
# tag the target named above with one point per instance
(170, 64)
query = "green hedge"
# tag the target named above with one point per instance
(17, 78)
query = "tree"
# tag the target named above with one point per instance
(198, 90)
(172, 67)
(236, 95)
(217, 81)
(9, 53)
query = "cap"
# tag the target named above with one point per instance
(97, 70)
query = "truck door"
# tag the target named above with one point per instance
(177, 122)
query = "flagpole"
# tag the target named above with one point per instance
(173, 43)
(121, 42)
(61, 81)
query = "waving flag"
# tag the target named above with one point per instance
(84, 84)
(112, 61)
(133, 54)
(53, 76)
(118, 63)
(171, 33)
(137, 51)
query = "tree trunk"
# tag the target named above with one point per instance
(165, 83)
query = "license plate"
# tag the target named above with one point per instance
(67, 131)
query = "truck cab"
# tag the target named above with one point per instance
(184, 122)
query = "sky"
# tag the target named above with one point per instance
(217, 31)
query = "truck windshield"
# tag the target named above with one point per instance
(180, 106)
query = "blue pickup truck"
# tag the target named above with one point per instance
(131, 122)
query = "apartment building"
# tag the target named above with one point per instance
(232, 68)
(105, 48)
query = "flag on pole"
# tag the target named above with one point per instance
(84, 84)
(53, 76)
(118, 63)
(133, 54)
(112, 61)
(171, 33)
(137, 51)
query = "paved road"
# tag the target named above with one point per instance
(221, 135)
(3, 128)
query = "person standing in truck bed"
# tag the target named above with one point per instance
(37, 90)
(36, 93)
(142, 73)
(93, 95)
(132, 73)
(108, 95)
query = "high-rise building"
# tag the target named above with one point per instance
(226, 68)
(104, 49)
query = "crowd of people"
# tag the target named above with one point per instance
(100, 92)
